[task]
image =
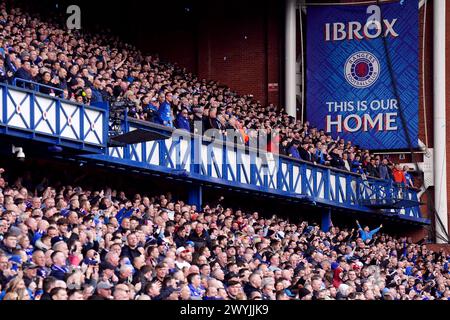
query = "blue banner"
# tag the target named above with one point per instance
(350, 91)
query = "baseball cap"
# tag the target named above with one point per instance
(181, 250)
(190, 243)
(104, 285)
(29, 265)
(16, 259)
(56, 239)
(231, 275)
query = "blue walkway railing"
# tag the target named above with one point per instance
(36, 86)
(29, 114)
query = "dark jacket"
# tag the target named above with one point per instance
(21, 73)
(248, 289)
(180, 241)
(372, 170)
(58, 273)
(337, 162)
(200, 240)
(130, 253)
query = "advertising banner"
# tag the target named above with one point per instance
(350, 89)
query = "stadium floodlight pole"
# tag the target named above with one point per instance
(290, 58)
(439, 114)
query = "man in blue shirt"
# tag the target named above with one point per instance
(408, 178)
(165, 111)
(58, 268)
(366, 234)
(293, 150)
(195, 287)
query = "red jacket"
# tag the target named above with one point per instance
(399, 176)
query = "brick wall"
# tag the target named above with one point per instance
(234, 42)
(239, 46)
(439, 247)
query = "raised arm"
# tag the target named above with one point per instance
(359, 227)
(376, 230)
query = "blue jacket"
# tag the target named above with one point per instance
(123, 213)
(320, 157)
(21, 73)
(294, 152)
(182, 123)
(165, 114)
(367, 235)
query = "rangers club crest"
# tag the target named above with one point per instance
(362, 69)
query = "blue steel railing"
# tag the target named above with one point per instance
(29, 114)
(36, 86)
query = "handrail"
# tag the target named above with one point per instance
(36, 85)
(60, 104)
(41, 94)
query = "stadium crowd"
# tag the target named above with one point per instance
(96, 68)
(75, 243)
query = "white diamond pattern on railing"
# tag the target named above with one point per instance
(70, 121)
(18, 109)
(93, 126)
(45, 115)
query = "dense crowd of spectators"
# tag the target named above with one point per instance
(74, 243)
(93, 69)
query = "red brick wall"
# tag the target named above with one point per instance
(171, 33)
(274, 43)
(234, 42)
(232, 51)
(240, 46)
(438, 247)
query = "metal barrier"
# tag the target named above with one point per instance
(28, 114)
(35, 86)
